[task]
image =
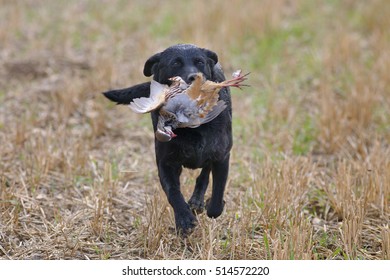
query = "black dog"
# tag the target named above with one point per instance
(207, 147)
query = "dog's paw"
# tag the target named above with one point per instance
(196, 205)
(185, 222)
(214, 211)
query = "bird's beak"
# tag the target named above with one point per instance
(165, 135)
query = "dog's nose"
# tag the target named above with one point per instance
(191, 77)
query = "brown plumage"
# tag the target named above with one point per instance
(205, 92)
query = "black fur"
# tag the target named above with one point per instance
(207, 147)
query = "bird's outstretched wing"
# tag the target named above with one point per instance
(156, 99)
(207, 92)
(216, 110)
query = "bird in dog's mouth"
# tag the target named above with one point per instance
(183, 105)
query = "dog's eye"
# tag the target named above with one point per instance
(199, 62)
(176, 63)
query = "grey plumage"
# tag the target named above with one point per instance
(186, 111)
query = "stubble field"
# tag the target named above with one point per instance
(310, 166)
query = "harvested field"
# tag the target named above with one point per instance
(310, 167)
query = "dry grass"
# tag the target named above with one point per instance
(310, 169)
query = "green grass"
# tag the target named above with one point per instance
(305, 137)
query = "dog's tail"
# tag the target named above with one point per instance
(125, 96)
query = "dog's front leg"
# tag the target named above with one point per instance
(170, 181)
(215, 204)
(196, 201)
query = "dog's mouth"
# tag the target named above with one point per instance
(165, 135)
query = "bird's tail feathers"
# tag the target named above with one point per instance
(144, 105)
(156, 89)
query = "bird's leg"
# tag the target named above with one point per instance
(216, 203)
(170, 181)
(236, 81)
(196, 201)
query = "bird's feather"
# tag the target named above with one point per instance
(217, 109)
(156, 99)
(195, 89)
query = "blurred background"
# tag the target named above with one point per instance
(310, 167)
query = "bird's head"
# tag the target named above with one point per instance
(165, 134)
(167, 122)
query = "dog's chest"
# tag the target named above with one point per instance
(195, 150)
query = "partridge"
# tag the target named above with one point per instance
(183, 105)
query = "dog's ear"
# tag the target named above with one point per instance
(217, 73)
(211, 55)
(150, 64)
(215, 68)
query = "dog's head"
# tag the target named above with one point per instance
(182, 60)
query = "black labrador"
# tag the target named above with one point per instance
(207, 147)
